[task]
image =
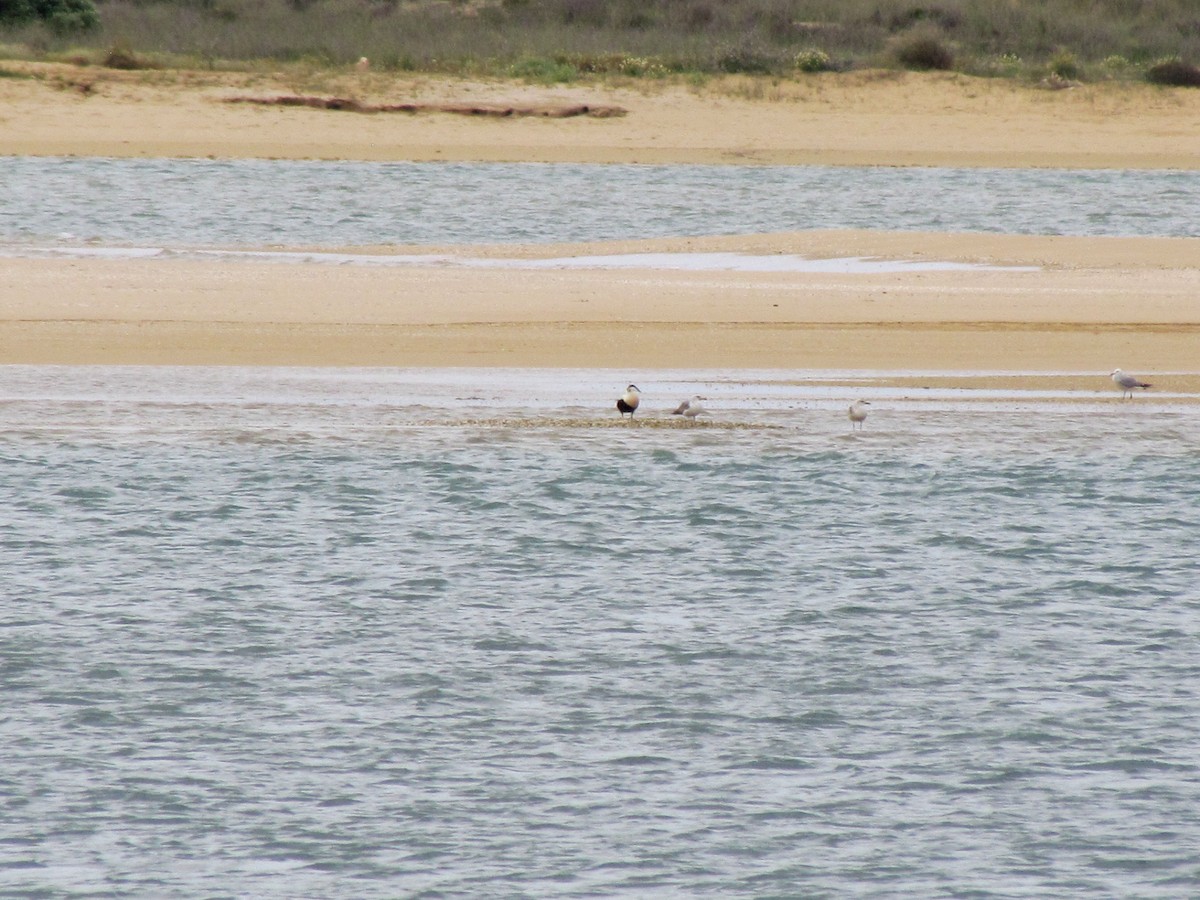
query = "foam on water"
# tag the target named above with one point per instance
(742, 262)
(281, 633)
(691, 262)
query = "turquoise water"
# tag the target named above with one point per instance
(170, 202)
(384, 633)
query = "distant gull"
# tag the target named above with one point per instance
(1127, 383)
(628, 402)
(858, 413)
(689, 409)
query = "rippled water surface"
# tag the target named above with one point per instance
(261, 202)
(382, 633)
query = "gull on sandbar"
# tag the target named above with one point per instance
(1127, 383)
(628, 402)
(689, 409)
(858, 413)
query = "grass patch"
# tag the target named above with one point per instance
(746, 60)
(1064, 65)
(543, 71)
(558, 41)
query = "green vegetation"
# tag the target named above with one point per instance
(561, 40)
(813, 61)
(61, 17)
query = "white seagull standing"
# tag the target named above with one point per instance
(689, 409)
(1127, 383)
(858, 413)
(628, 402)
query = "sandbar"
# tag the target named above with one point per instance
(1035, 304)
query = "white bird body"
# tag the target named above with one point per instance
(628, 402)
(1127, 383)
(858, 413)
(689, 409)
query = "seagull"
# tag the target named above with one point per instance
(1127, 383)
(858, 413)
(628, 402)
(689, 409)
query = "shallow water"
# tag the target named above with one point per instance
(378, 633)
(173, 202)
(384, 633)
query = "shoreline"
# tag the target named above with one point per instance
(866, 118)
(1090, 304)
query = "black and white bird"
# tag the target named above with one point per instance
(689, 409)
(858, 413)
(628, 402)
(1127, 383)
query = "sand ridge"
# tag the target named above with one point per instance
(1090, 305)
(861, 118)
(1083, 307)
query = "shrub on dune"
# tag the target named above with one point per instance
(1174, 73)
(923, 51)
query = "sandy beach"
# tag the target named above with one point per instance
(1088, 304)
